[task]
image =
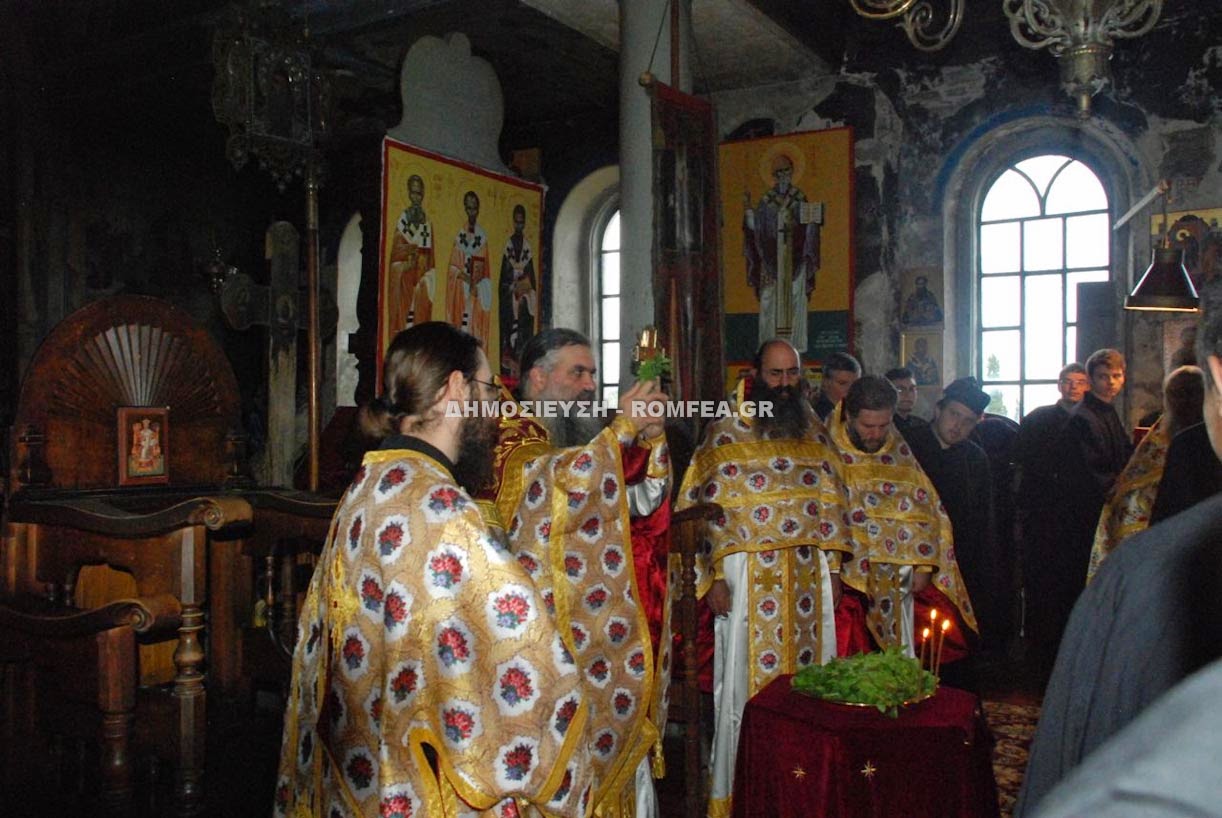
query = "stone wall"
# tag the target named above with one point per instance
(923, 121)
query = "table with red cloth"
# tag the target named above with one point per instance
(800, 756)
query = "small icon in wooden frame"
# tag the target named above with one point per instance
(144, 436)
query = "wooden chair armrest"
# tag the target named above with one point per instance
(300, 503)
(215, 512)
(160, 613)
(683, 520)
(700, 511)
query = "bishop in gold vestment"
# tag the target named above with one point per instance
(782, 527)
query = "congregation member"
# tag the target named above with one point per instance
(428, 668)
(904, 381)
(959, 470)
(1130, 506)
(1092, 449)
(586, 553)
(1191, 473)
(1151, 617)
(997, 435)
(839, 371)
(903, 547)
(1039, 522)
(772, 576)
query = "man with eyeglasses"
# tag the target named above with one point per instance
(959, 470)
(904, 381)
(1086, 457)
(1092, 449)
(772, 577)
(585, 552)
(428, 662)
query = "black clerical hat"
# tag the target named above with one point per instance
(968, 392)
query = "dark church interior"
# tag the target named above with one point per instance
(199, 259)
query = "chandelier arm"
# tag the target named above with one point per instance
(1132, 18)
(1036, 24)
(881, 9)
(918, 25)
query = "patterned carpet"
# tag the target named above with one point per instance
(1013, 726)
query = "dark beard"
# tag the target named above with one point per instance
(861, 444)
(572, 430)
(790, 417)
(473, 468)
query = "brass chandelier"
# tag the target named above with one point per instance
(1079, 33)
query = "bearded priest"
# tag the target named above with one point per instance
(771, 569)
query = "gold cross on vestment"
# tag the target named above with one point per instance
(771, 580)
(869, 770)
(799, 773)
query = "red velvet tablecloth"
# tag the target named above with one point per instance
(802, 757)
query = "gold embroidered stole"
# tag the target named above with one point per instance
(1128, 508)
(418, 629)
(897, 518)
(566, 520)
(775, 494)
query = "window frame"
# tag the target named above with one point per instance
(606, 210)
(1063, 272)
(964, 180)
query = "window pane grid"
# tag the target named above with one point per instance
(1029, 273)
(606, 319)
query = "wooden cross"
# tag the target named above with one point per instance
(279, 307)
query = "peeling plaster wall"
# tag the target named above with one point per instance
(917, 120)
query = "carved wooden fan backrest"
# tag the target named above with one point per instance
(126, 351)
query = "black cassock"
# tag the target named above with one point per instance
(1091, 452)
(1191, 473)
(961, 476)
(1036, 456)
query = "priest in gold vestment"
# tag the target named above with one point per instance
(903, 544)
(1130, 503)
(430, 675)
(565, 513)
(766, 569)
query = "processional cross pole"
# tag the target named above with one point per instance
(275, 102)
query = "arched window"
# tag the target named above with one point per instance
(607, 309)
(1043, 228)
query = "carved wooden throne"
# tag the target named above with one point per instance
(124, 351)
(194, 531)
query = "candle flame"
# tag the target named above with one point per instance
(945, 625)
(925, 633)
(933, 615)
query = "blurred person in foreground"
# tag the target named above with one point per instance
(1152, 616)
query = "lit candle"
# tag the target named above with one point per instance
(924, 645)
(937, 665)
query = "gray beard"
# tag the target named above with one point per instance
(566, 431)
